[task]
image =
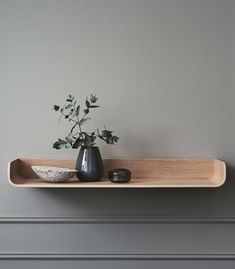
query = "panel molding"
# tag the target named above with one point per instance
(118, 219)
(105, 256)
(116, 256)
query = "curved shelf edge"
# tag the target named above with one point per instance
(147, 173)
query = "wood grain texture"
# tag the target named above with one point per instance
(146, 173)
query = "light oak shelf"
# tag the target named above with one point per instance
(146, 173)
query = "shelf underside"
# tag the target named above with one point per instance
(146, 173)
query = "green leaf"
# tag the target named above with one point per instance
(93, 98)
(69, 139)
(87, 103)
(88, 139)
(60, 143)
(68, 106)
(66, 146)
(93, 106)
(83, 121)
(77, 110)
(56, 108)
(106, 133)
(109, 140)
(61, 140)
(115, 139)
(70, 98)
(78, 142)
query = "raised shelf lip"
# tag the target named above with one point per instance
(106, 184)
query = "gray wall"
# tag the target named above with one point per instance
(164, 72)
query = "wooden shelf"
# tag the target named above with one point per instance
(146, 173)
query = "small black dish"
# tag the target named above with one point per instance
(120, 175)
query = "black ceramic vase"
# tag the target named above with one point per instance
(89, 164)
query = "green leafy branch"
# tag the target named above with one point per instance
(71, 111)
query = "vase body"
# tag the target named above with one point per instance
(89, 164)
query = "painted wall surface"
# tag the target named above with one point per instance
(164, 72)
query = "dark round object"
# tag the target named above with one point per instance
(89, 164)
(120, 175)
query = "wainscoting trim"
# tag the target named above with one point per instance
(118, 219)
(117, 256)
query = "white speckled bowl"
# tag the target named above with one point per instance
(53, 174)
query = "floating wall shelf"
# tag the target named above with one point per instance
(146, 173)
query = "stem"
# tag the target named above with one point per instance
(82, 132)
(73, 127)
(78, 121)
(102, 139)
(68, 117)
(80, 128)
(98, 134)
(83, 116)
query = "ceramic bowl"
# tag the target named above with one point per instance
(53, 174)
